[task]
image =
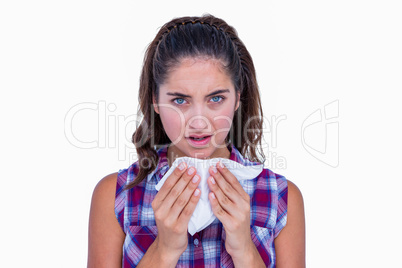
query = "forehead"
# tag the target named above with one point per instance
(197, 73)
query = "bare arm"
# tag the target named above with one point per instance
(231, 205)
(105, 238)
(290, 243)
(173, 206)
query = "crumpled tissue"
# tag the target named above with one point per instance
(203, 215)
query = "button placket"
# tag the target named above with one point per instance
(196, 240)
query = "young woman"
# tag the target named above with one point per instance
(199, 98)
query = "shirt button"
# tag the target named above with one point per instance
(196, 242)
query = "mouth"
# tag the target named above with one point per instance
(198, 140)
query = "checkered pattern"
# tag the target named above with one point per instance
(268, 192)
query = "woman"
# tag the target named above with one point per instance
(199, 98)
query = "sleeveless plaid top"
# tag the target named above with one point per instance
(268, 204)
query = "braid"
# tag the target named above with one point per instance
(211, 21)
(222, 28)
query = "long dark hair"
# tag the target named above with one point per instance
(192, 37)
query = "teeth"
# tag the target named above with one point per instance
(198, 139)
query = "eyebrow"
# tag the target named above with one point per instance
(219, 91)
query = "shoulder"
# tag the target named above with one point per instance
(106, 184)
(285, 197)
(105, 190)
(281, 184)
(105, 234)
(295, 197)
(290, 243)
(273, 182)
(104, 195)
(290, 204)
(295, 205)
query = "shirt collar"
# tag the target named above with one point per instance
(163, 164)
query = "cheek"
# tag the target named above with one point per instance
(172, 121)
(224, 119)
(169, 113)
(222, 124)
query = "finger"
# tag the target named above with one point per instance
(170, 183)
(188, 210)
(217, 209)
(232, 180)
(223, 184)
(184, 197)
(221, 197)
(178, 188)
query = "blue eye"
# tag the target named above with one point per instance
(216, 99)
(178, 101)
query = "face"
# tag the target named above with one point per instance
(196, 105)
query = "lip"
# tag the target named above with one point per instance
(199, 136)
(201, 142)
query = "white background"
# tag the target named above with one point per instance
(55, 55)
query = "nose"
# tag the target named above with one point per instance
(197, 118)
(198, 122)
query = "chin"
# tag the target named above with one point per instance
(190, 151)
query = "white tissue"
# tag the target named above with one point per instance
(203, 215)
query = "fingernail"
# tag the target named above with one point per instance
(197, 192)
(213, 195)
(195, 178)
(212, 180)
(221, 164)
(182, 166)
(191, 171)
(214, 170)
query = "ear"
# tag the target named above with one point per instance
(155, 104)
(237, 102)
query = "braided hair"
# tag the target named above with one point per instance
(185, 37)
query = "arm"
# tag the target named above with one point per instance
(290, 243)
(155, 257)
(173, 206)
(105, 237)
(231, 205)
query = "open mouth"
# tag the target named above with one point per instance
(199, 139)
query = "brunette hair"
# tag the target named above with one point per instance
(205, 36)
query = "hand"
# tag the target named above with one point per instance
(231, 205)
(173, 206)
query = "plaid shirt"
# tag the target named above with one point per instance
(268, 192)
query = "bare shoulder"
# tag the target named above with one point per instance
(103, 196)
(105, 236)
(294, 195)
(105, 187)
(290, 243)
